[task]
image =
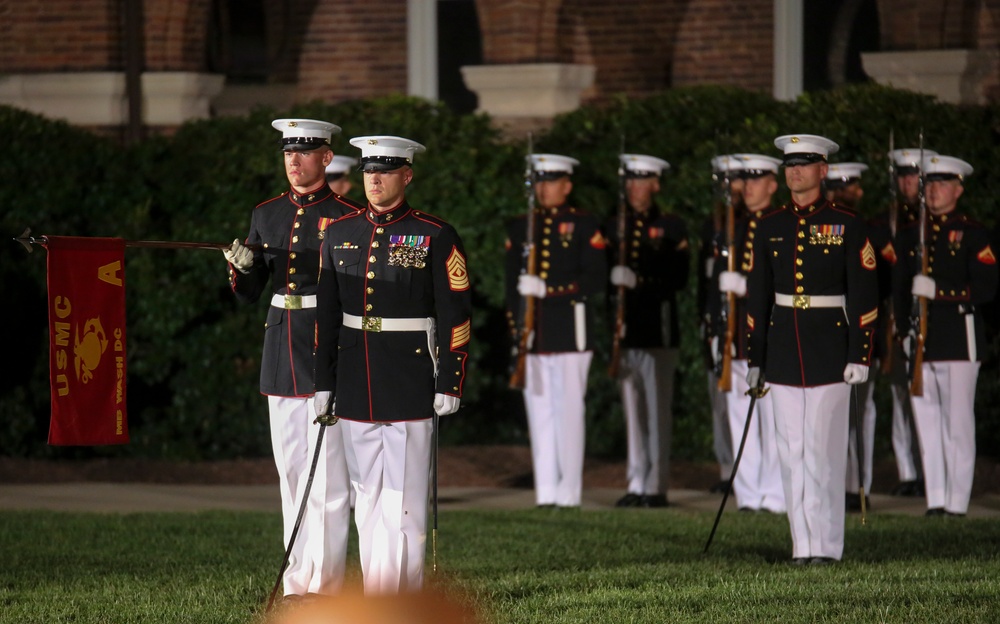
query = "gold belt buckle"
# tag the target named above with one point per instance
(371, 323)
(293, 302)
(800, 301)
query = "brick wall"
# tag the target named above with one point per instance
(175, 34)
(928, 24)
(60, 35)
(727, 43)
(519, 31)
(354, 49)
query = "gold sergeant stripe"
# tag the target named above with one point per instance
(460, 335)
(869, 317)
(458, 277)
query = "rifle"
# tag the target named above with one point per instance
(893, 225)
(918, 316)
(619, 330)
(526, 331)
(728, 299)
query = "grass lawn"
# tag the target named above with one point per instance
(551, 566)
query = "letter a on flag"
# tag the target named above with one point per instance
(86, 282)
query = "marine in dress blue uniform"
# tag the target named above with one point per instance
(338, 174)
(905, 444)
(287, 232)
(757, 483)
(812, 306)
(572, 276)
(393, 337)
(655, 267)
(961, 277)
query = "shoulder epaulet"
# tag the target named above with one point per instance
(268, 201)
(429, 218)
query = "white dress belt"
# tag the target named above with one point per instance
(380, 324)
(804, 302)
(293, 302)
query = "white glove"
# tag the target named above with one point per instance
(923, 286)
(733, 282)
(445, 404)
(753, 376)
(323, 403)
(240, 256)
(623, 276)
(531, 286)
(855, 373)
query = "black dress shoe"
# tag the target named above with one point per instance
(629, 500)
(720, 487)
(653, 501)
(952, 514)
(800, 561)
(546, 506)
(748, 510)
(935, 511)
(822, 561)
(852, 502)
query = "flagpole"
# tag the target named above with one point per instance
(28, 240)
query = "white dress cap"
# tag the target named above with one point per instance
(803, 149)
(945, 168)
(643, 166)
(754, 164)
(909, 156)
(553, 163)
(725, 162)
(304, 134)
(846, 171)
(340, 165)
(386, 153)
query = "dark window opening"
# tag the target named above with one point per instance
(459, 44)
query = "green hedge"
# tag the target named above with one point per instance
(194, 352)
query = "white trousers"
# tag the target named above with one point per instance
(554, 393)
(904, 436)
(758, 478)
(319, 556)
(722, 441)
(647, 389)
(391, 465)
(946, 424)
(811, 426)
(866, 402)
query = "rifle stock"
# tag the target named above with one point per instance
(725, 382)
(527, 327)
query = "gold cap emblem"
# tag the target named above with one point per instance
(372, 141)
(795, 139)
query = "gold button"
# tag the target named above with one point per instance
(369, 290)
(388, 217)
(297, 225)
(292, 255)
(292, 286)
(775, 254)
(312, 197)
(543, 275)
(749, 245)
(545, 241)
(548, 220)
(799, 276)
(635, 243)
(291, 271)
(419, 351)
(753, 223)
(750, 235)
(295, 239)
(341, 263)
(455, 388)
(300, 211)
(546, 231)
(637, 232)
(546, 253)
(371, 274)
(372, 258)
(266, 245)
(937, 228)
(635, 254)
(295, 197)
(802, 221)
(802, 234)
(826, 251)
(798, 261)
(379, 230)
(375, 245)
(457, 373)
(800, 248)
(368, 308)
(545, 264)
(799, 289)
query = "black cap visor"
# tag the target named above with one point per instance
(942, 176)
(303, 144)
(545, 176)
(370, 164)
(803, 158)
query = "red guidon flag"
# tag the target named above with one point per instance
(86, 280)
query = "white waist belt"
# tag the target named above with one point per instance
(293, 302)
(380, 324)
(804, 302)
